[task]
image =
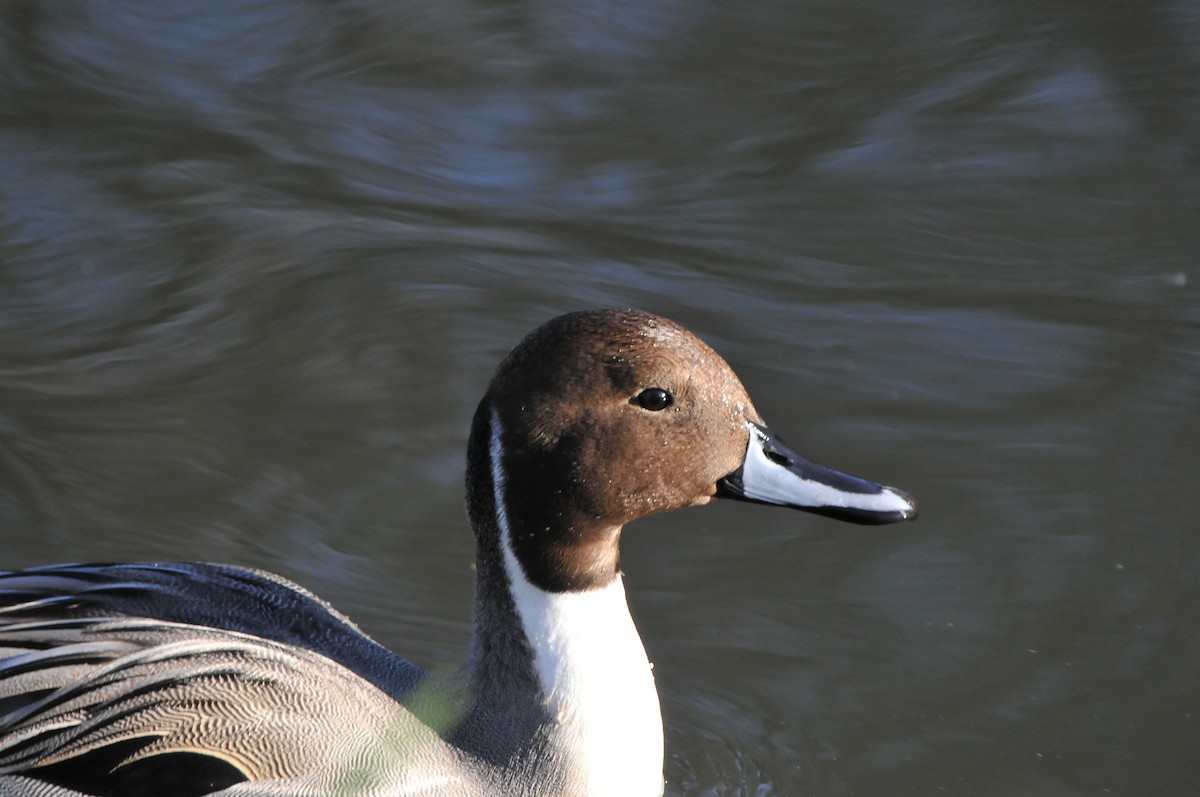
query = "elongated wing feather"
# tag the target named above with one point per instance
(193, 679)
(252, 602)
(132, 693)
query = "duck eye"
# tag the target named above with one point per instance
(654, 399)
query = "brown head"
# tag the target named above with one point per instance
(601, 417)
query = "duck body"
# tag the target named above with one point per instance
(189, 679)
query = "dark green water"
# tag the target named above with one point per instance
(257, 261)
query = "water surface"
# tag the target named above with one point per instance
(257, 261)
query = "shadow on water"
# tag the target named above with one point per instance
(257, 261)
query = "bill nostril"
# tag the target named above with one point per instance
(777, 458)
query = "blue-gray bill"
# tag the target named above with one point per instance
(773, 474)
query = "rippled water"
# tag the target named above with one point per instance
(257, 260)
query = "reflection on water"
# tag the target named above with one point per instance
(258, 259)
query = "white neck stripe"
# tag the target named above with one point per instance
(592, 668)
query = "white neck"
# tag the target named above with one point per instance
(593, 671)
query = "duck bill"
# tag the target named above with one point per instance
(774, 474)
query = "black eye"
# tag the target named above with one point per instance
(654, 399)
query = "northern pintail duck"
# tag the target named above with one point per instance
(188, 679)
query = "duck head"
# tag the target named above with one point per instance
(601, 417)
